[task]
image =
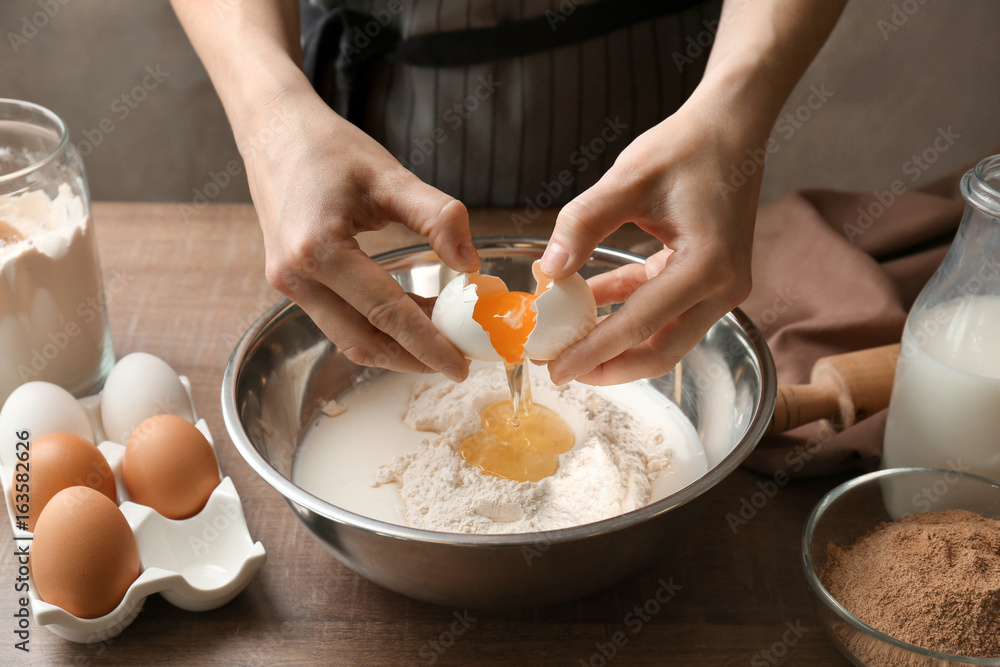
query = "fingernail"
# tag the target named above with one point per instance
(564, 380)
(554, 259)
(453, 373)
(468, 253)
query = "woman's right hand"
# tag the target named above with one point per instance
(317, 181)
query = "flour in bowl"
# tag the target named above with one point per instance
(609, 471)
(633, 446)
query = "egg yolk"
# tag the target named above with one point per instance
(519, 441)
(508, 319)
(525, 453)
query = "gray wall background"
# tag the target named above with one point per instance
(898, 71)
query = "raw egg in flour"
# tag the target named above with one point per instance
(488, 322)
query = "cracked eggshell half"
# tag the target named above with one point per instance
(566, 312)
(452, 314)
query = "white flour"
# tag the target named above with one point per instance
(52, 321)
(608, 472)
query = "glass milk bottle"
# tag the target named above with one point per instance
(53, 321)
(945, 406)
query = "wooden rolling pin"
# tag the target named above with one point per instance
(842, 390)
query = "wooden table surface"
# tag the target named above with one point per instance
(185, 288)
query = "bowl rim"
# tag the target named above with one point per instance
(295, 495)
(831, 603)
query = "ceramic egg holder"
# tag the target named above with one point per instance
(197, 564)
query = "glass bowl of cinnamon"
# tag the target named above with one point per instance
(904, 567)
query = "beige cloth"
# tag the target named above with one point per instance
(835, 272)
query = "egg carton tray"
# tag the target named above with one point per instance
(197, 564)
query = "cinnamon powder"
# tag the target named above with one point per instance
(930, 579)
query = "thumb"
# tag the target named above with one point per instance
(581, 225)
(442, 219)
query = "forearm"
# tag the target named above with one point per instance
(251, 51)
(761, 50)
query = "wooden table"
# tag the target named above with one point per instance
(184, 288)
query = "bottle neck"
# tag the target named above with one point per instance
(981, 187)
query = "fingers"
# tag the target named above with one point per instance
(437, 216)
(661, 352)
(582, 224)
(651, 306)
(360, 342)
(385, 306)
(617, 285)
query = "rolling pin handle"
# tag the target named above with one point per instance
(843, 390)
(799, 404)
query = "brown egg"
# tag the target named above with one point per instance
(170, 467)
(55, 462)
(84, 555)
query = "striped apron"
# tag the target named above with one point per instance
(507, 103)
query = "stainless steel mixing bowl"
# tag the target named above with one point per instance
(284, 369)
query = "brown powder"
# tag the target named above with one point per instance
(930, 579)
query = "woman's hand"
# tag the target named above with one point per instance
(317, 181)
(672, 182)
(676, 182)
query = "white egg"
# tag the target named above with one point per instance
(452, 314)
(565, 311)
(141, 386)
(40, 408)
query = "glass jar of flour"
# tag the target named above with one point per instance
(53, 320)
(945, 406)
